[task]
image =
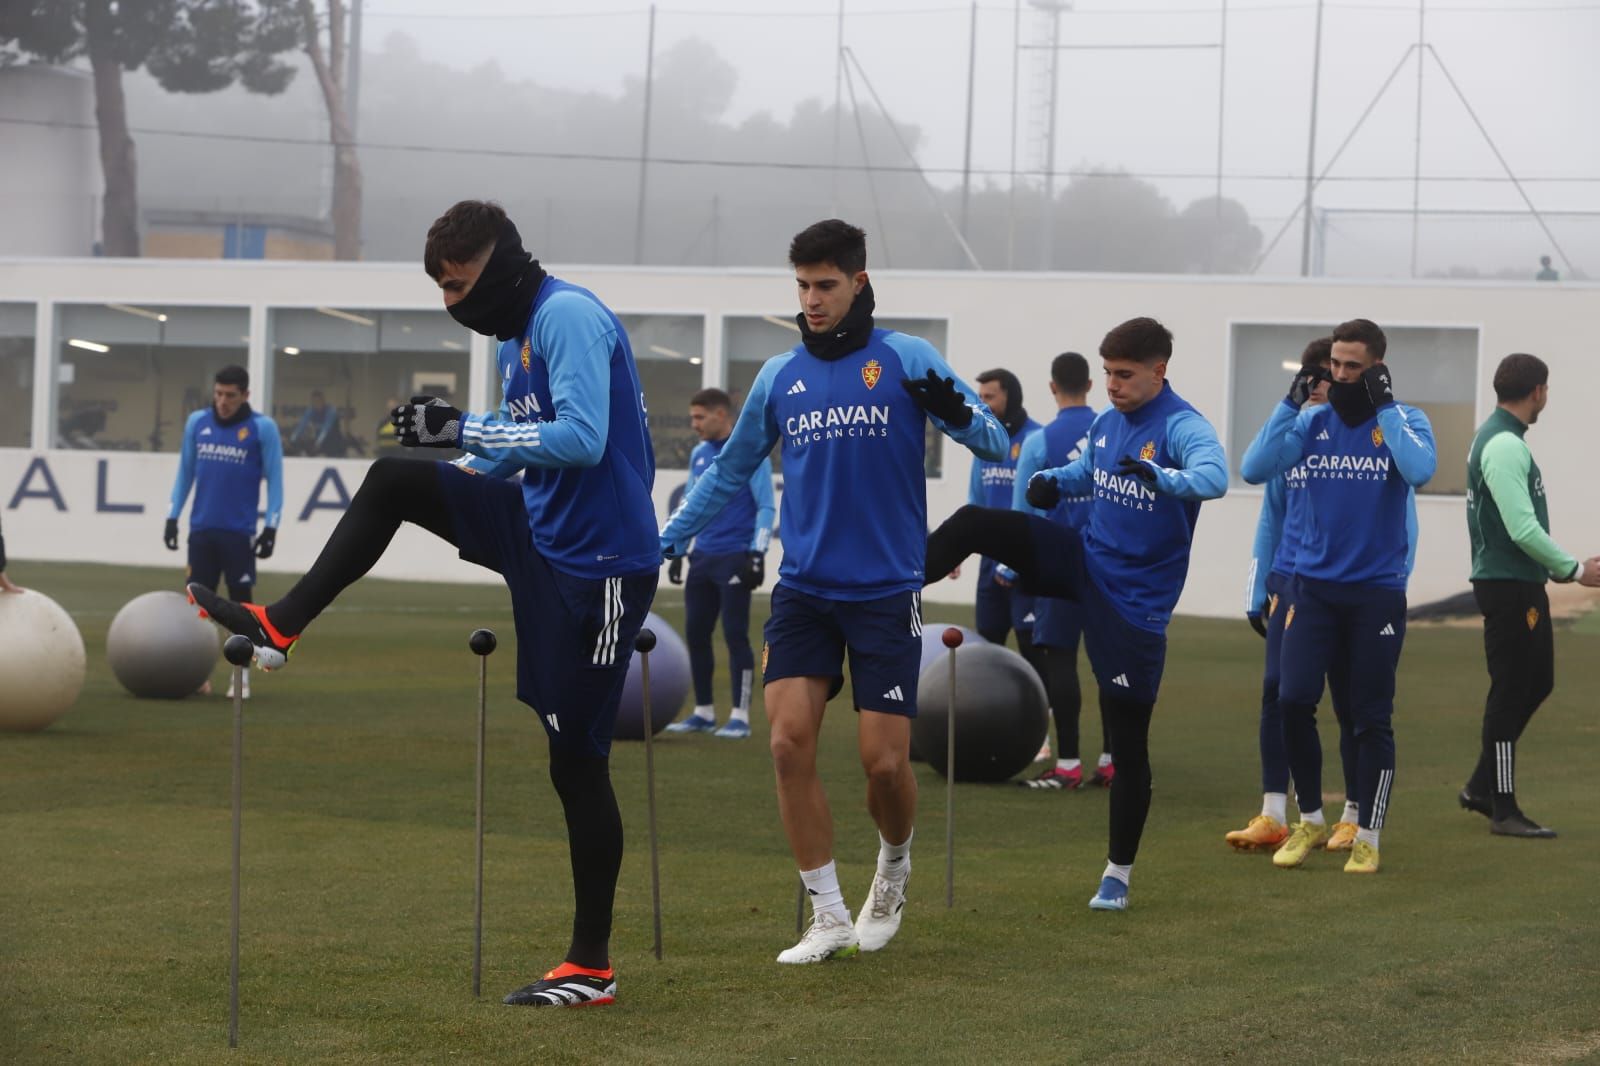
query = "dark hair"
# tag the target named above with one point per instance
(711, 398)
(1070, 372)
(1363, 331)
(234, 375)
(830, 241)
(1140, 340)
(1318, 353)
(1518, 375)
(461, 233)
(1004, 377)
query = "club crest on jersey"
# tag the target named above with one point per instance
(1288, 619)
(871, 373)
(1148, 452)
(1377, 436)
(244, 432)
(1533, 617)
(527, 354)
(1016, 450)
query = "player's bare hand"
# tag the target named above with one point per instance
(1590, 574)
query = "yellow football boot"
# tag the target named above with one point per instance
(1263, 832)
(1303, 839)
(1363, 859)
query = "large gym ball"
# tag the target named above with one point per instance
(41, 661)
(160, 647)
(669, 683)
(1002, 713)
(934, 651)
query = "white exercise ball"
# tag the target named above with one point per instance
(41, 661)
(160, 647)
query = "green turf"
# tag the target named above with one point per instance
(358, 880)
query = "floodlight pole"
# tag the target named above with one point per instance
(1311, 149)
(644, 143)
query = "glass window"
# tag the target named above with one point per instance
(1435, 369)
(337, 372)
(748, 342)
(668, 351)
(16, 374)
(128, 376)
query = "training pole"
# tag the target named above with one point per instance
(645, 642)
(238, 651)
(482, 642)
(952, 640)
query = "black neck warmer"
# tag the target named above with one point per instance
(500, 301)
(1351, 402)
(242, 414)
(1015, 416)
(850, 335)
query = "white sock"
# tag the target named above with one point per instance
(822, 885)
(706, 711)
(1105, 760)
(1352, 813)
(1121, 873)
(1275, 805)
(741, 706)
(894, 860)
(1312, 817)
(740, 714)
(1369, 835)
(1067, 764)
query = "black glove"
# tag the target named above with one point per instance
(755, 570)
(1128, 465)
(1304, 383)
(1043, 492)
(170, 534)
(1258, 624)
(427, 422)
(1380, 387)
(675, 570)
(266, 542)
(940, 398)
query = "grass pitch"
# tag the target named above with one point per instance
(358, 830)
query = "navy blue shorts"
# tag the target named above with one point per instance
(1350, 634)
(807, 636)
(574, 635)
(1127, 660)
(1057, 623)
(718, 569)
(215, 554)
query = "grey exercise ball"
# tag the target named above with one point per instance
(1002, 713)
(669, 683)
(160, 648)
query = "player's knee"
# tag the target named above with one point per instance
(793, 751)
(884, 766)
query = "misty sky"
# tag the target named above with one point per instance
(1521, 63)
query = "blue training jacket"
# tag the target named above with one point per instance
(855, 505)
(225, 465)
(992, 481)
(1278, 531)
(745, 524)
(1359, 525)
(574, 423)
(1138, 535)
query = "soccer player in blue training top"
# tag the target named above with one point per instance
(1058, 623)
(727, 564)
(849, 405)
(1001, 608)
(1283, 507)
(1149, 462)
(227, 449)
(1346, 608)
(575, 541)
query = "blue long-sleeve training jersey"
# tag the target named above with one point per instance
(1061, 442)
(745, 524)
(1281, 525)
(225, 465)
(992, 481)
(1138, 536)
(1359, 524)
(574, 423)
(855, 505)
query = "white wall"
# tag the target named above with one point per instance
(1014, 320)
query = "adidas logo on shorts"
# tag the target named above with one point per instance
(895, 694)
(797, 388)
(1121, 679)
(1386, 631)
